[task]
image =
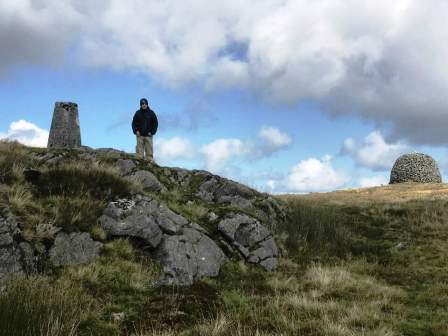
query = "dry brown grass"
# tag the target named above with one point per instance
(394, 193)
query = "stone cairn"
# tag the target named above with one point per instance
(415, 167)
(65, 131)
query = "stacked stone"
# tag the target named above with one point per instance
(415, 167)
(65, 131)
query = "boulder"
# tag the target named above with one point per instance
(73, 249)
(188, 256)
(221, 190)
(182, 247)
(142, 217)
(147, 180)
(415, 167)
(255, 243)
(125, 166)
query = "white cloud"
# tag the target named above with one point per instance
(315, 175)
(274, 138)
(375, 153)
(174, 148)
(220, 151)
(379, 59)
(26, 133)
(374, 181)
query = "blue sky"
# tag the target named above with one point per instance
(283, 95)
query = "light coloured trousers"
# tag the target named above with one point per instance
(144, 147)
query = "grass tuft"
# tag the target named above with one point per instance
(36, 306)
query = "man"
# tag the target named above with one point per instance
(144, 126)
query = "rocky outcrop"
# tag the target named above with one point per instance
(415, 167)
(255, 243)
(183, 250)
(217, 220)
(73, 249)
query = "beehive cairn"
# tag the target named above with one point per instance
(65, 131)
(415, 167)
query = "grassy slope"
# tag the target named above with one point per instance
(366, 262)
(401, 231)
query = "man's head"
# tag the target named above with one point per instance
(143, 103)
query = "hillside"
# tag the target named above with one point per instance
(358, 262)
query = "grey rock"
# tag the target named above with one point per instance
(10, 261)
(65, 131)
(415, 167)
(147, 180)
(88, 156)
(142, 218)
(47, 230)
(224, 191)
(132, 219)
(10, 253)
(179, 176)
(109, 150)
(73, 249)
(207, 189)
(40, 248)
(252, 239)
(29, 259)
(269, 263)
(188, 257)
(48, 158)
(125, 166)
(111, 153)
(182, 247)
(197, 227)
(55, 160)
(212, 216)
(230, 188)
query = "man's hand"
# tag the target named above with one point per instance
(138, 133)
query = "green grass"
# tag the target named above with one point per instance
(405, 245)
(38, 306)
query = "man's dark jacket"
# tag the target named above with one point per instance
(145, 121)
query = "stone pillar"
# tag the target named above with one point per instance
(65, 132)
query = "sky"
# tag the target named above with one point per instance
(286, 96)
